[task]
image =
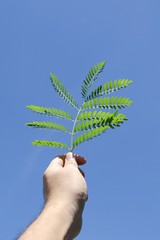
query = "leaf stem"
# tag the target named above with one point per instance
(72, 133)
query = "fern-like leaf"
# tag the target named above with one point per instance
(110, 121)
(119, 119)
(48, 125)
(91, 77)
(93, 115)
(93, 122)
(49, 144)
(50, 112)
(89, 135)
(109, 87)
(62, 91)
(109, 102)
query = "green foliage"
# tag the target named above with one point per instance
(109, 87)
(62, 91)
(45, 143)
(88, 124)
(50, 112)
(49, 125)
(92, 115)
(89, 135)
(110, 121)
(107, 102)
(91, 77)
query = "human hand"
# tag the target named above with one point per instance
(65, 186)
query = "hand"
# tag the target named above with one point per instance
(64, 185)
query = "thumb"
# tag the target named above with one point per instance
(70, 160)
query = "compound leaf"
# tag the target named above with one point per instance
(111, 120)
(91, 77)
(50, 112)
(93, 115)
(119, 119)
(107, 102)
(48, 125)
(93, 123)
(49, 144)
(109, 87)
(89, 135)
(62, 91)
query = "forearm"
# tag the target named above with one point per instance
(53, 223)
(65, 193)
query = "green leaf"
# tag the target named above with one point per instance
(109, 102)
(62, 91)
(48, 125)
(50, 112)
(91, 77)
(93, 122)
(119, 119)
(89, 135)
(111, 120)
(92, 115)
(49, 144)
(109, 87)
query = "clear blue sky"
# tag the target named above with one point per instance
(123, 167)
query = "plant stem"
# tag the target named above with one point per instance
(72, 133)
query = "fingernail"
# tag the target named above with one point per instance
(69, 156)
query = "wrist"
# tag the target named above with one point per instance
(60, 216)
(64, 209)
(71, 208)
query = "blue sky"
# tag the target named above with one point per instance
(123, 167)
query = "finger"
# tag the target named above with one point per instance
(79, 159)
(69, 159)
(62, 156)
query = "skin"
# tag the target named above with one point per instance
(65, 194)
